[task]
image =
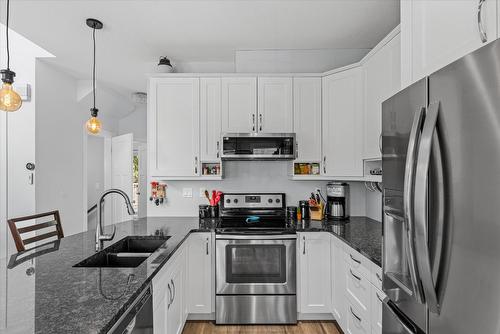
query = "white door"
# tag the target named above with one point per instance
(173, 127)
(437, 32)
(307, 118)
(201, 287)
(143, 180)
(382, 78)
(315, 286)
(121, 174)
(210, 115)
(275, 105)
(239, 104)
(343, 124)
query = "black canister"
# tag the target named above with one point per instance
(203, 211)
(214, 211)
(291, 213)
(304, 209)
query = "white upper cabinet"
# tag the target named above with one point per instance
(173, 127)
(275, 105)
(211, 119)
(314, 271)
(239, 104)
(437, 32)
(343, 124)
(382, 79)
(307, 118)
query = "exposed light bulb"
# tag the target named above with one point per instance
(9, 99)
(93, 125)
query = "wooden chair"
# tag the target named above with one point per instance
(16, 232)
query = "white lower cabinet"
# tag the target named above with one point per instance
(200, 274)
(314, 272)
(377, 298)
(338, 281)
(358, 321)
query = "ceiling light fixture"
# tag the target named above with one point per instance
(94, 124)
(9, 99)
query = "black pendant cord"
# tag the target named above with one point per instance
(93, 66)
(7, 34)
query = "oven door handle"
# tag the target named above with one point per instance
(256, 237)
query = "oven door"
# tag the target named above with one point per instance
(252, 264)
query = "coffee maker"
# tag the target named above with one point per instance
(337, 201)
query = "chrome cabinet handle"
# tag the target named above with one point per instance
(169, 295)
(354, 314)
(207, 246)
(408, 194)
(480, 26)
(354, 275)
(304, 247)
(253, 122)
(174, 290)
(218, 149)
(380, 143)
(421, 207)
(260, 122)
(379, 298)
(354, 259)
(324, 164)
(196, 165)
(378, 277)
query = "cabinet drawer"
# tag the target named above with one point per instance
(358, 288)
(377, 298)
(376, 276)
(358, 262)
(357, 321)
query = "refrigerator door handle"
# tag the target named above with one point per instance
(421, 207)
(409, 183)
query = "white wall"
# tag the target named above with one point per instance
(95, 169)
(243, 176)
(374, 205)
(135, 123)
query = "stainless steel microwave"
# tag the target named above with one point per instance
(259, 146)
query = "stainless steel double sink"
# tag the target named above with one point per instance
(128, 252)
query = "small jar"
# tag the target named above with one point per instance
(291, 214)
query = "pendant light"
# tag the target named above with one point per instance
(9, 99)
(93, 124)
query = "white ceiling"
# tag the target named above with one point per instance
(136, 33)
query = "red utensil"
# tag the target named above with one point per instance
(212, 200)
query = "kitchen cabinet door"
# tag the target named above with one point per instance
(175, 313)
(211, 121)
(275, 105)
(239, 104)
(437, 32)
(377, 298)
(342, 136)
(200, 274)
(173, 127)
(338, 282)
(307, 118)
(314, 266)
(159, 311)
(382, 79)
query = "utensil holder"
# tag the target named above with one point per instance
(214, 211)
(317, 212)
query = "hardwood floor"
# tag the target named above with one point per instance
(302, 327)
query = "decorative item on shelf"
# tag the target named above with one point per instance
(211, 168)
(9, 98)
(164, 65)
(376, 171)
(158, 192)
(94, 124)
(373, 186)
(306, 168)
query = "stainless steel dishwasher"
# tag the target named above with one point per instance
(138, 319)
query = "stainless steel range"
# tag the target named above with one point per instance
(255, 261)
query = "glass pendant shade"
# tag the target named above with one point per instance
(9, 99)
(93, 125)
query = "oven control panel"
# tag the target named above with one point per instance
(242, 201)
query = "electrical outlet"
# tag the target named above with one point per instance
(202, 192)
(187, 192)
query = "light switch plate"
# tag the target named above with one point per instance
(187, 192)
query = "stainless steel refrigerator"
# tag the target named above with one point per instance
(441, 178)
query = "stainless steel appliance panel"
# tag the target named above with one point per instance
(462, 260)
(256, 309)
(253, 264)
(395, 322)
(402, 117)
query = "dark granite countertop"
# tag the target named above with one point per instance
(43, 293)
(46, 294)
(361, 233)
